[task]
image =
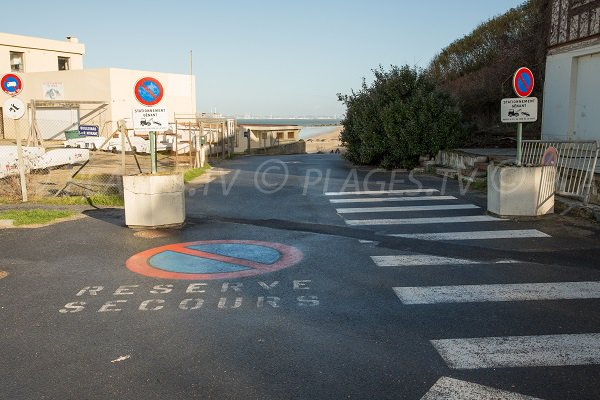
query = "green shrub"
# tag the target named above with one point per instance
(399, 117)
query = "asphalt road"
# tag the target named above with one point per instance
(300, 277)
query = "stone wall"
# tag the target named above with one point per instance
(284, 149)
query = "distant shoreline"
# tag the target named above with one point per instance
(283, 121)
(325, 142)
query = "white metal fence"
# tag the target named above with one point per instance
(577, 162)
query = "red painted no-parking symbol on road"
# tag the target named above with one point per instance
(215, 259)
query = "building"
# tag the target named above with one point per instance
(262, 136)
(571, 109)
(24, 54)
(61, 95)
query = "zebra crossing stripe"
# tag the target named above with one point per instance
(406, 209)
(520, 351)
(418, 260)
(392, 199)
(375, 192)
(419, 221)
(448, 388)
(475, 235)
(493, 293)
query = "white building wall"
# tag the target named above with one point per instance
(571, 108)
(39, 54)
(179, 97)
(112, 86)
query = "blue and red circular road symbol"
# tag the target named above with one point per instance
(214, 259)
(523, 82)
(11, 84)
(550, 157)
(148, 91)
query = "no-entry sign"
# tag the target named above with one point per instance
(148, 91)
(523, 82)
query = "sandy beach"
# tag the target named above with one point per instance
(324, 142)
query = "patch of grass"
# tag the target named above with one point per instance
(95, 200)
(36, 216)
(477, 184)
(102, 178)
(192, 174)
(113, 200)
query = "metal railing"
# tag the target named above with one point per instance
(576, 164)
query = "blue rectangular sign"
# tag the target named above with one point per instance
(89, 130)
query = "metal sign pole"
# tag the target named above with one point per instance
(519, 142)
(123, 134)
(152, 152)
(21, 165)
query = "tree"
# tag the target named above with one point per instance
(399, 117)
(476, 70)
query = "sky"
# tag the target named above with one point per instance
(261, 57)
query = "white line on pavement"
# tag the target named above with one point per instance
(374, 192)
(475, 235)
(418, 221)
(407, 208)
(448, 388)
(392, 199)
(418, 260)
(520, 351)
(491, 293)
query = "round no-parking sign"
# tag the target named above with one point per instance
(523, 82)
(215, 259)
(149, 91)
(11, 84)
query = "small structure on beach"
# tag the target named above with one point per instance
(263, 136)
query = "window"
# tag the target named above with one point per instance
(290, 135)
(279, 135)
(16, 62)
(63, 63)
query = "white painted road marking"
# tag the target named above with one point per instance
(475, 235)
(418, 221)
(374, 192)
(122, 358)
(392, 199)
(407, 208)
(490, 293)
(520, 351)
(449, 389)
(417, 260)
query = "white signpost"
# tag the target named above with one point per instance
(150, 119)
(14, 108)
(519, 110)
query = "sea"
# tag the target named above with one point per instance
(310, 127)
